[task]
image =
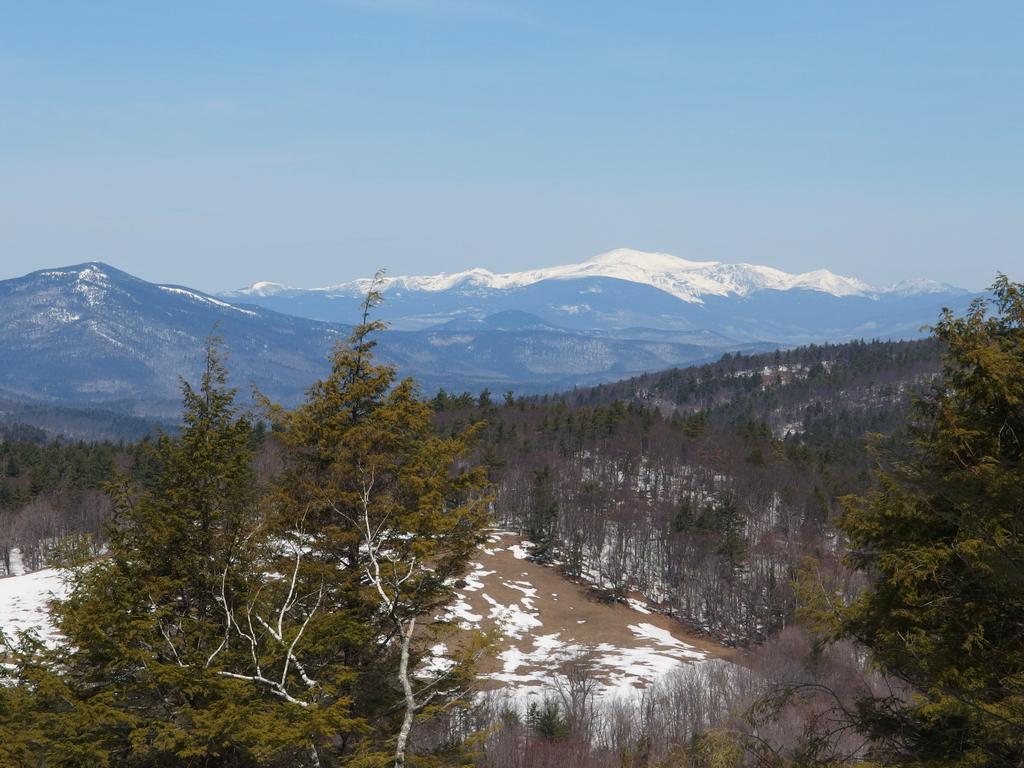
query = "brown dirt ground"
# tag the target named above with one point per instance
(565, 607)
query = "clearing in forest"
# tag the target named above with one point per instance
(547, 622)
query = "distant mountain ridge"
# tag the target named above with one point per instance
(624, 289)
(689, 281)
(93, 335)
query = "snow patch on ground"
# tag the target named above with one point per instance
(513, 619)
(664, 638)
(24, 602)
(637, 605)
(521, 551)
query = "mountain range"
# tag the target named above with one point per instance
(91, 334)
(627, 289)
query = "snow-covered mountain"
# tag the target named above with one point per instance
(92, 334)
(625, 289)
(689, 281)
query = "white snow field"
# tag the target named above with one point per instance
(24, 600)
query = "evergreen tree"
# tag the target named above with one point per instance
(943, 538)
(543, 518)
(159, 639)
(547, 720)
(391, 514)
(729, 525)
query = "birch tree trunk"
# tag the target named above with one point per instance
(410, 700)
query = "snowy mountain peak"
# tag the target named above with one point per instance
(647, 261)
(90, 272)
(265, 288)
(94, 283)
(91, 280)
(687, 280)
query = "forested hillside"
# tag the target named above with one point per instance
(51, 490)
(82, 423)
(704, 488)
(848, 386)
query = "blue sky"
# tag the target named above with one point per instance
(218, 143)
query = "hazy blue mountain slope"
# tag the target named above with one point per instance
(92, 333)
